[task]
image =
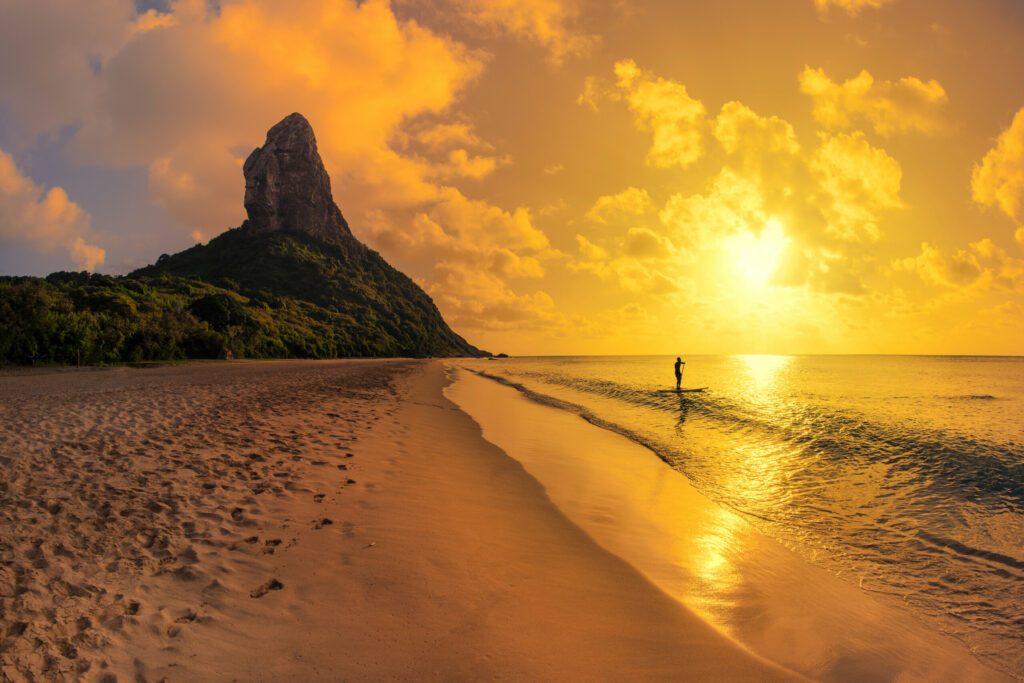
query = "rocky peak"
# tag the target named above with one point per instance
(287, 187)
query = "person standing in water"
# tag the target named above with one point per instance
(679, 372)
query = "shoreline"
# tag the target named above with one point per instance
(709, 558)
(320, 520)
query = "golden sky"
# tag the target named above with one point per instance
(562, 176)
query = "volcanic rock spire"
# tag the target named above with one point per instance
(287, 187)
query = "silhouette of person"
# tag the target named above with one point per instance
(679, 372)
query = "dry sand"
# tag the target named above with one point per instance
(304, 521)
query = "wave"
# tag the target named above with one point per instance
(971, 397)
(582, 412)
(929, 517)
(939, 463)
(964, 550)
(923, 465)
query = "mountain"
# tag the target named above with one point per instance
(291, 281)
(296, 243)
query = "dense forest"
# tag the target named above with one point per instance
(281, 295)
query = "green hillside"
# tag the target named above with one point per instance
(279, 295)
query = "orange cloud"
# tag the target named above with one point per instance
(999, 179)
(546, 22)
(665, 109)
(629, 203)
(890, 107)
(859, 181)
(982, 265)
(732, 203)
(151, 20)
(475, 299)
(479, 223)
(461, 164)
(636, 258)
(46, 220)
(591, 94)
(643, 243)
(471, 250)
(447, 135)
(191, 99)
(632, 274)
(852, 7)
(741, 131)
(828, 201)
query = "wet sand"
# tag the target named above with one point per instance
(305, 521)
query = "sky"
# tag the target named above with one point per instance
(561, 176)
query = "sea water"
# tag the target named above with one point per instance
(902, 475)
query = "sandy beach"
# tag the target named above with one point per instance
(305, 521)
(549, 340)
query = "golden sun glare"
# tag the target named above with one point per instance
(757, 256)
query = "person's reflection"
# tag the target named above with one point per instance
(684, 411)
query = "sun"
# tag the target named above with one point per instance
(757, 256)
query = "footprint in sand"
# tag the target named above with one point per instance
(319, 497)
(271, 585)
(189, 616)
(321, 523)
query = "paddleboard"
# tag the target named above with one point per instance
(680, 391)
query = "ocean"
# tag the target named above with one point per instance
(903, 475)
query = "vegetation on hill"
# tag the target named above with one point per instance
(277, 295)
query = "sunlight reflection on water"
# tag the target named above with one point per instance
(889, 470)
(709, 556)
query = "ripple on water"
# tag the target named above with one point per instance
(918, 491)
